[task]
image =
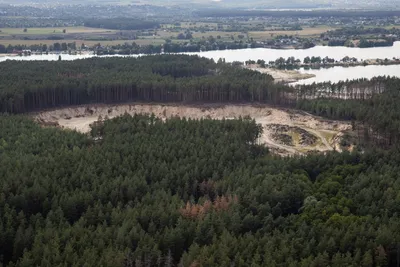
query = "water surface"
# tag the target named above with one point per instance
(322, 75)
(337, 53)
(337, 74)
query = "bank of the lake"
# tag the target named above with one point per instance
(336, 53)
(266, 54)
(337, 74)
(282, 76)
(321, 75)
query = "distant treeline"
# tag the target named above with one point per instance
(318, 13)
(360, 30)
(38, 47)
(382, 37)
(365, 43)
(134, 49)
(121, 24)
(131, 48)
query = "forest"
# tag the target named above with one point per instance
(210, 12)
(133, 48)
(32, 86)
(29, 86)
(44, 48)
(208, 44)
(372, 106)
(364, 43)
(357, 31)
(140, 191)
(189, 193)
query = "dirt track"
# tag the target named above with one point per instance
(326, 131)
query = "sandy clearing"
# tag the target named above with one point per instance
(282, 76)
(8, 55)
(80, 118)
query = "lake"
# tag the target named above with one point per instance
(332, 74)
(337, 74)
(337, 53)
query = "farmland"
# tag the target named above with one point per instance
(181, 32)
(106, 37)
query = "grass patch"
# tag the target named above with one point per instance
(217, 33)
(295, 137)
(328, 135)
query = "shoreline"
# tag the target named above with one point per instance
(316, 66)
(281, 75)
(286, 48)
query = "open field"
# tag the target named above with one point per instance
(307, 132)
(198, 35)
(217, 33)
(306, 32)
(92, 36)
(86, 35)
(187, 25)
(164, 34)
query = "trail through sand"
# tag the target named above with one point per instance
(325, 131)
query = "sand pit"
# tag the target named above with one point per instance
(282, 76)
(326, 132)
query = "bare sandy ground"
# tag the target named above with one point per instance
(327, 132)
(282, 76)
(8, 55)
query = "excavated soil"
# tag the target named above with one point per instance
(282, 127)
(283, 139)
(292, 135)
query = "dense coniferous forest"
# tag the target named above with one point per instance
(28, 86)
(188, 193)
(371, 104)
(140, 191)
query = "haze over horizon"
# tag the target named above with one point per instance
(259, 4)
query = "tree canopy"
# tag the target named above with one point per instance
(140, 191)
(28, 86)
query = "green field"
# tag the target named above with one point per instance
(306, 32)
(92, 36)
(86, 35)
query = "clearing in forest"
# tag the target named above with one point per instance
(285, 131)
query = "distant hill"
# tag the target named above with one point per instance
(249, 4)
(243, 4)
(351, 4)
